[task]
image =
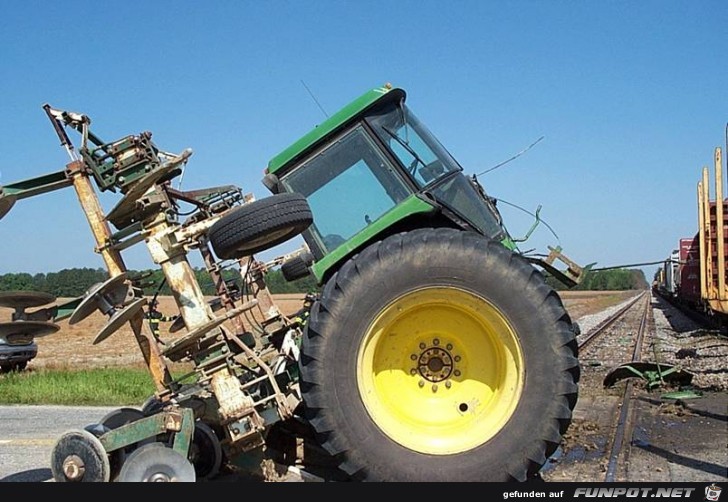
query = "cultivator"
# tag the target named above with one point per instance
(242, 349)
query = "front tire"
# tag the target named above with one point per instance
(437, 355)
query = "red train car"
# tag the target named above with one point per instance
(688, 286)
(712, 233)
(695, 274)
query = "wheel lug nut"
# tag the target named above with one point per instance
(457, 359)
(413, 371)
(413, 357)
(421, 383)
(457, 372)
(436, 342)
(434, 387)
(448, 384)
(422, 345)
(449, 346)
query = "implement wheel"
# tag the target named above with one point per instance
(260, 225)
(436, 355)
(78, 456)
(205, 452)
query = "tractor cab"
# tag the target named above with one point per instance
(374, 169)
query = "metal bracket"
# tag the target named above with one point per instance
(655, 374)
(573, 273)
(180, 422)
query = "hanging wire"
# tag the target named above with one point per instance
(512, 158)
(531, 214)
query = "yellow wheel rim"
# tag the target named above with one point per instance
(440, 370)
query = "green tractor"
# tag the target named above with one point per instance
(436, 350)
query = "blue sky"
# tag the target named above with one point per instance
(630, 97)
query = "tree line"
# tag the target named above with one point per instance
(75, 282)
(618, 279)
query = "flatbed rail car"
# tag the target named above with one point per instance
(694, 275)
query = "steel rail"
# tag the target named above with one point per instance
(623, 422)
(592, 334)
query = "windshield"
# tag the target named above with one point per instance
(413, 144)
(348, 186)
(433, 168)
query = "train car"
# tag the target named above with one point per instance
(672, 275)
(688, 289)
(664, 281)
(694, 275)
(711, 236)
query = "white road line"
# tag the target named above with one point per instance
(27, 442)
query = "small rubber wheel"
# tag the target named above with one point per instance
(260, 225)
(121, 416)
(118, 418)
(79, 456)
(152, 406)
(205, 451)
(297, 267)
(116, 457)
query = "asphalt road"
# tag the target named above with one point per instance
(28, 434)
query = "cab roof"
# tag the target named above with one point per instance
(333, 124)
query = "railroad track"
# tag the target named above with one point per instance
(588, 338)
(616, 340)
(624, 424)
(618, 446)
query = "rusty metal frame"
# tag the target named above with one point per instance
(159, 370)
(148, 213)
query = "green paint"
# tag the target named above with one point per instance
(334, 123)
(133, 432)
(183, 438)
(38, 185)
(509, 243)
(65, 310)
(408, 207)
(150, 427)
(682, 394)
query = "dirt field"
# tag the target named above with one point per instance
(72, 346)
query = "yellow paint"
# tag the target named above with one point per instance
(485, 376)
(721, 293)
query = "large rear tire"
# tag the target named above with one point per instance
(436, 355)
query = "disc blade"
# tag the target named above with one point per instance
(24, 329)
(91, 301)
(25, 299)
(155, 462)
(127, 204)
(119, 319)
